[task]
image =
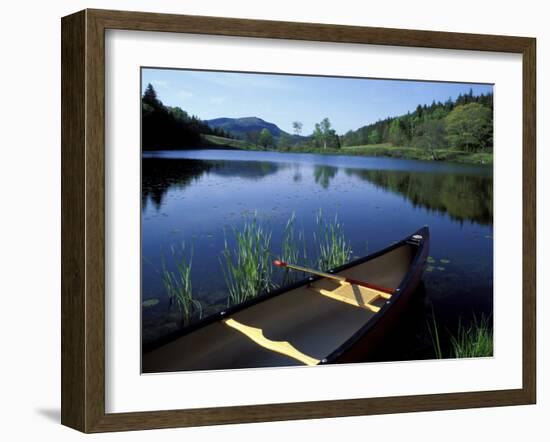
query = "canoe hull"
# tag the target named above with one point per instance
(371, 339)
(315, 321)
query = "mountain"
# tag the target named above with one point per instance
(241, 126)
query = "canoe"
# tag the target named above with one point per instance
(312, 322)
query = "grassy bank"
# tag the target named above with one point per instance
(410, 153)
(371, 150)
(213, 141)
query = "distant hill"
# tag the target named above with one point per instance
(240, 127)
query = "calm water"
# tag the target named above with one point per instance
(199, 196)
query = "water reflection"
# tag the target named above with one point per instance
(463, 196)
(161, 174)
(324, 174)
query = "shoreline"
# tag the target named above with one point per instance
(372, 150)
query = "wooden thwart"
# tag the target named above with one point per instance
(358, 296)
(283, 347)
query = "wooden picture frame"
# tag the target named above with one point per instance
(83, 219)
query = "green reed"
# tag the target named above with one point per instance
(247, 266)
(178, 284)
(435, 337)
(473, 341)
(293, 249)
(332, 247)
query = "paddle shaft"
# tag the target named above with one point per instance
(332, 276)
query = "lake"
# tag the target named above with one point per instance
(199, 196)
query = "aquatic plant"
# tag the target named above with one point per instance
(332, 247)
(293, 250)
(178, 284)
(435, 337)
(247, 265)
(474, 341)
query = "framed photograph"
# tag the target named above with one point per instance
(270, 220)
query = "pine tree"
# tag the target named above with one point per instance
(150, 97)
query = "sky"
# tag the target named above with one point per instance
(349, 103)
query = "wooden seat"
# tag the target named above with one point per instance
(356, 295)
(282, 347)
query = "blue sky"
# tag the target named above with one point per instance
(349, 103)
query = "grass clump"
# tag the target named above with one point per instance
(293, 250)
(474, 341)
(247, 265)
(178, 284)
(333, 249)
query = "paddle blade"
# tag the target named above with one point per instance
(279, 263)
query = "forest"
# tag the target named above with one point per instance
(464, 124)
(165, 127)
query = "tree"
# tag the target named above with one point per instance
(150, 97)
(179, 113)
(434, 136)
(374, 137)
(470, 127)
(253, 137)
(265, 139)
(317, 135)
(285, 141)
(323, 133)
(297, 126)
(398, 132)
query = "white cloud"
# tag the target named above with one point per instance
(217, 100)
(184, 95)
(159, 83)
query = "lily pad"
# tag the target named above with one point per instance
(441, 269)
(429, 268)
(430, 259)
(150, 302)
(445, 261)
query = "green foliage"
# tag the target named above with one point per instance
(427, 127)
(285, 140)
(433, 137)
(177, 285)
(374, 137)
(265, 139)
(246, 262)
(398, 132)
(333, 249)
(474, 341)
(293, 249)
(324, 136)
(247, 266)
(470, 127)
(165, 127)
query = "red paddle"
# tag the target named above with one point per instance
(280, 263)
